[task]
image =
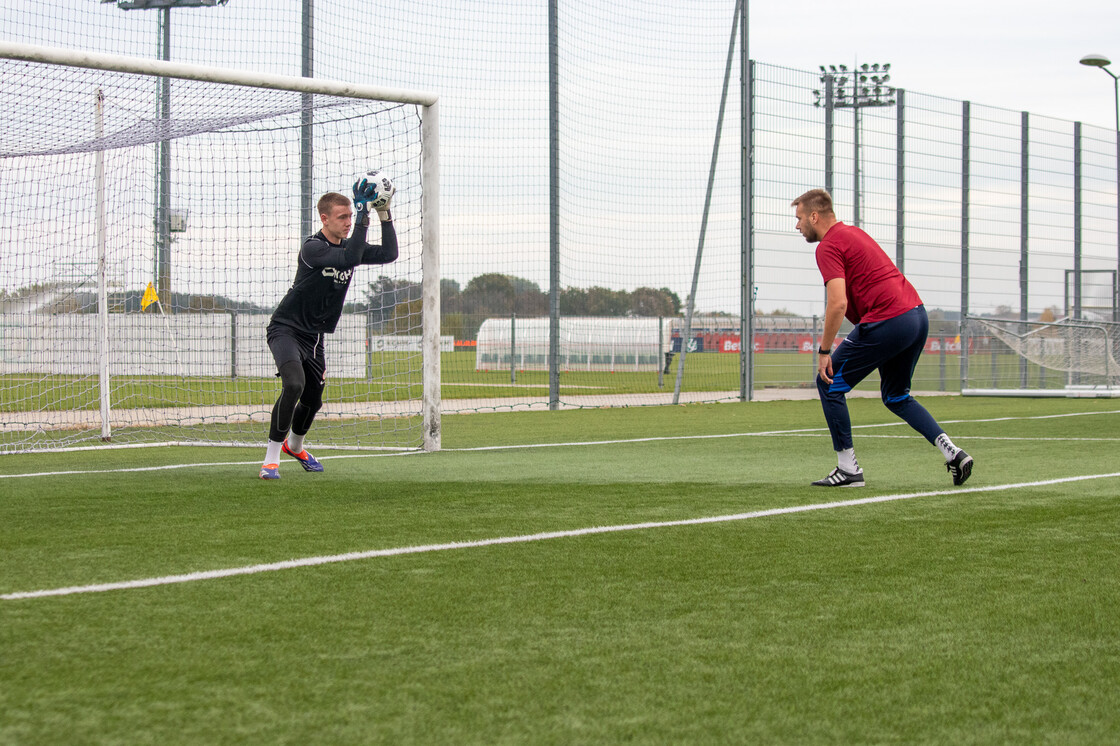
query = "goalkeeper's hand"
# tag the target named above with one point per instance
(383, 205)
(364, 192)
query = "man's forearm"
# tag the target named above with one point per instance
(833, 318)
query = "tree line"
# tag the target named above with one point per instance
(394, 303)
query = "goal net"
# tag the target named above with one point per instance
(151, 215)
(1033, 358)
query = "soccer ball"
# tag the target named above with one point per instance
(383, 183)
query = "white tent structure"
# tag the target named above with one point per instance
(616, 344)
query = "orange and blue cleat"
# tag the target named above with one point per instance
(305, 459)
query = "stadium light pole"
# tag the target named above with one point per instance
(163, 157)
(1099, 60)
(868, 88)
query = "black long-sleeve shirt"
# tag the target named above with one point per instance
(323, 273)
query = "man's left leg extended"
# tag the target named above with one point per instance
(897, 373)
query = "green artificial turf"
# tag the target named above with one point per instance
(982, 614)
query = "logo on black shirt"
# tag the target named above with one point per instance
(340, 277)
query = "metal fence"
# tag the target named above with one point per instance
(988, 211)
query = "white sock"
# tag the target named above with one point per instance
(272, 452)
(948, 450)
(295, 443)
(846, 460)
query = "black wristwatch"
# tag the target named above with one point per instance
(823, 351)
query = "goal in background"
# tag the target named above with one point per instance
(147, 241)
(1074, 358)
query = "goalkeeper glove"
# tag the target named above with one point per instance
(363, 192)
(382, 199)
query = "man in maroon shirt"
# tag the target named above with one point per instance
(863, 285)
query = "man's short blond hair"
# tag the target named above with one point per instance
(329, 201)
(815, 200)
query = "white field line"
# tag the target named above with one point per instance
(521, 539)
(964, 437)
(800, 431)
(167, 467)
(811, 431)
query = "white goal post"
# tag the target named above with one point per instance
(88, 358)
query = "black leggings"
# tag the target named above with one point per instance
(300, 399)
(302, 367)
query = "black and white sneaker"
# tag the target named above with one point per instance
(841, 478)
(960, 467)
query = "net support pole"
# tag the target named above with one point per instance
(746, 213)
(512, 348)
(306, 125)
(966, 125)
(1024, 232)
(660, 352)
(686, 333)
(857, 220)
(102, 273)
(1078, 311)
(163, 170)
(429, 236)
(829, 108)
(553, 206)
(900, 180)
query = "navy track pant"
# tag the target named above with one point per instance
(893, 348)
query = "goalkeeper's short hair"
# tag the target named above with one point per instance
(329, 200)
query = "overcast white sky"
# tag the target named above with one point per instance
(1020, 55)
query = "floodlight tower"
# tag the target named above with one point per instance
(1099, 60)
(868, 88)
(163, 163)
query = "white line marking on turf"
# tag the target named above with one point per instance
(961, 437)
(166, 467)
(521, 539)
(813, 431)
(513, 447)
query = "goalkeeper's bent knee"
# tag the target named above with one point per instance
(292, 379)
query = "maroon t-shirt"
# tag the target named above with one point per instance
(877, 291)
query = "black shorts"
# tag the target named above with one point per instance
(292, 345)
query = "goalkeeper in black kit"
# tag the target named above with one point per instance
(312, 308)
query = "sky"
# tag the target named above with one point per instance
(1021, 55)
